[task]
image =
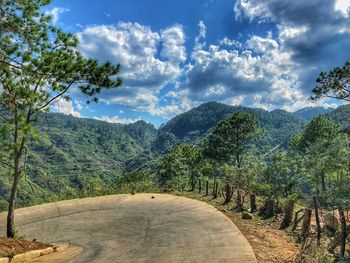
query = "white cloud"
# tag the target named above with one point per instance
(202, 29)
(262, 75)
(150, 60)
(173, 40)
(55, 13)
(312, 36)
(263, 45)
(277, 70)
(343, 6)
(136, 48)
(230, 43)
(79, 105)
(171, 110)
(66, 107)
(116, 119)
(202, 33)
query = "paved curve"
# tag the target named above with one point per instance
(126, 228)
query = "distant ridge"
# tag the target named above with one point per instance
(308, 113)
(79, 154)
(192, 126)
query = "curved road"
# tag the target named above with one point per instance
(138, 228)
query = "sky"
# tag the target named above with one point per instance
(178, 54)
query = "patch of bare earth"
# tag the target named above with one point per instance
(10, 246)
(268, 242)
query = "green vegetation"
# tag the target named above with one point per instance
(39, 65)
(228, 144)
(309, 113)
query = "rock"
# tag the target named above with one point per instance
(330, 221)
(246, 215)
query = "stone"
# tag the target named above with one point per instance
(247, 216)
(331, 222)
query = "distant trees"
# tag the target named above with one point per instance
(39, 64)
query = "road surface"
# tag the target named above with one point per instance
(134, 228)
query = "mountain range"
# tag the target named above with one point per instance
(77, 154)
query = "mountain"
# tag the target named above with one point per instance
(341, 115)
(76, 153)
(75, 157)
(192, 126)
(309, 113)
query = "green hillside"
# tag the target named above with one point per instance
(78, 154)
(191, 126)
(75, 156)
(309, 113)
(341, 115)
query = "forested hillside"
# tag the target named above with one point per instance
(191, 126)
(309, 113)
(341, 115)
(76, 156)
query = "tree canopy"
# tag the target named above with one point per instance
(334, 84)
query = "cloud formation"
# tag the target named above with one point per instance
(316, 32)
(67, 107)
(55, 13)
(135, 47)
(116, 119)
(277, 70)
(272, 69)
(150, 60)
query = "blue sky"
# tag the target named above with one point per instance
(176, 55)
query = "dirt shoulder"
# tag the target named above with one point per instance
(268, 242)
(10, 247)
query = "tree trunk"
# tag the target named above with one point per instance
(207, 187)
(318, 225)
(296, 219)
(306, 222)
(239, 200)
(193, 182)
(323, 181)
(17, 153)
(12, 202)
(288, 214)
(270, 208)
(199, 185)
(343, 232)
(253, 206)
(215, 195)
(228, 193)
(336, 240)
(214, 185)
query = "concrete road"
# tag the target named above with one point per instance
(139, 228)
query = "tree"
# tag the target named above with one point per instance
(230, 139)
(315, 143)
(181, 167)
(335, 84)
(39, 65)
